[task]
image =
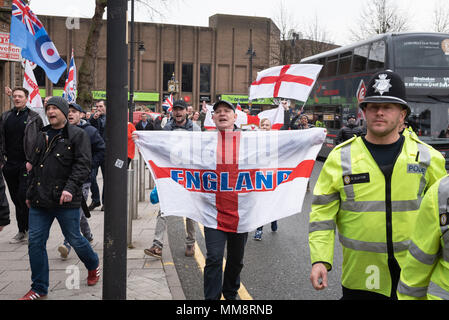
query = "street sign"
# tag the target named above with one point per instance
(8, 51)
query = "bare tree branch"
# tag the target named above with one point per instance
(441, 17)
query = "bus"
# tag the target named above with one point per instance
(421, 59)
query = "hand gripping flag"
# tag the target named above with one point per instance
(34, 97)
(231, 181)
(293, 81)
(28, 33)
(70, 83)
(275, 115)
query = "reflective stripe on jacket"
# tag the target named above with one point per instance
(425, 274)
(374, 217)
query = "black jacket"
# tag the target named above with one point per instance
(32, 127)
(98, 147)
(149, 125)
(4, 206)
(61, 164)
(348, 132)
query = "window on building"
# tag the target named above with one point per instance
(205, 78)
(187, 77)
(377, 56)
(169, 69)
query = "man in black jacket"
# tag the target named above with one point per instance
(348, 131)
(144, 123)
(61, 164)
(98, 150)
(20, 127)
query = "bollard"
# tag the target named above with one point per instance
(134, 200)
(130, 208)
(141, 178)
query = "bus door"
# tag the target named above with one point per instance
(332, 118)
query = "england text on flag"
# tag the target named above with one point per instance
(234, 181)
(28, 33)
(293, 81)
(70, 83)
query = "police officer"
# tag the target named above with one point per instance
(370, 189)
(425, 273)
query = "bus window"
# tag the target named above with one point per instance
(344, 64)
(422, 52)
(360, 58)
(377, 56)
(331, 66)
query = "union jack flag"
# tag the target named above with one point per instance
(70, 83)
(168, 103)
(22, 12)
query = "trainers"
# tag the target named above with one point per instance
(258, 235)
(64, 251)
(190, 250)
(274, 226)
(93, 276)
(31, 295)
(102, 208)
(20, 237)
(154, 251)
(93, 205)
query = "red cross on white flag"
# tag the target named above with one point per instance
(233, 181)
(293, 81)
(34, 97)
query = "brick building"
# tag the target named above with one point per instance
(209, 62)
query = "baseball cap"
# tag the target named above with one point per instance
(180, 104)
(226, 103)
(76, 106)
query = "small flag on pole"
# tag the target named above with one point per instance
(70, 83)
(167, 105)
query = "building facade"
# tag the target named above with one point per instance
(209, 63)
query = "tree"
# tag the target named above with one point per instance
(378, 17)
(441, 17)
(87, 68)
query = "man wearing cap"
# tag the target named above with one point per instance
(216, 282)
(97, 147)
(19, 130)
(178, 121)
(370, 189)
(348, 131)
(61, 164)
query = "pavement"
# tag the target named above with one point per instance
(148, 278)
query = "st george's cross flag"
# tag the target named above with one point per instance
(293, 81)
(275, 115)
(231, 181)
(34, 98)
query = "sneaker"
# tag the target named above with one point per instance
(93, 276)
(64, 251)
(19, 237)
(154, 251)
(274, 226)
(93, 205)
(31, 295)
(258, 235)
(102, 208)
(190, 250)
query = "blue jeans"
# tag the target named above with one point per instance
(215, 283)
(40, 221)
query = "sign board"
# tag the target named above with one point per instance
(8, 51)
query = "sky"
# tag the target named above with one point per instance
(337, 18)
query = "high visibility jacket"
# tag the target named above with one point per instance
(374, 217)
(425, 274)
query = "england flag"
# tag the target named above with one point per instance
(231, 181)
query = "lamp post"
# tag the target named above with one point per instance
(251, 54)
(141, 50)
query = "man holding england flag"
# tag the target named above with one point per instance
(234, 181)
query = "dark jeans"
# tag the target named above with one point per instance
(214, 282)
(94, 186)
(16, 178)
(4, 205)
(40, 223)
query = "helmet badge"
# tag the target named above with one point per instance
(382, 84)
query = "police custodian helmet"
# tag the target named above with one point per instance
(385, 87)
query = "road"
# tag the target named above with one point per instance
(276, 268)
